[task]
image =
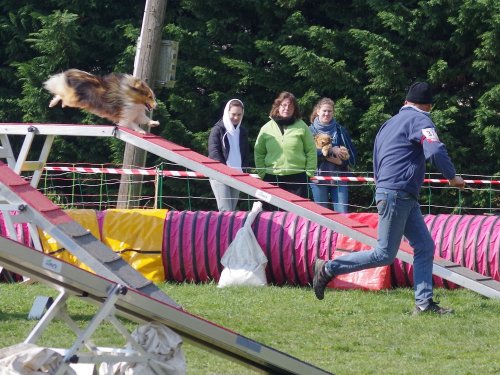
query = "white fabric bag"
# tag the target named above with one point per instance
(164, 346)
(29, 359)
(244, 261)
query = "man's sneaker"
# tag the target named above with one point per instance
(432, 308)
(321, 278)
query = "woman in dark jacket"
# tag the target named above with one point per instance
(337, 163)
(228, 144)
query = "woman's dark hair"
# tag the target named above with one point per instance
(236, 103)
(277, 102)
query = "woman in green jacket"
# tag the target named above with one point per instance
(285, 152)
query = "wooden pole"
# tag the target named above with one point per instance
(145, 61)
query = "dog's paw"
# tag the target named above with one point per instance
(326, 150)
(137, 128)
(55, 100)
(344, 153)
(153, 123)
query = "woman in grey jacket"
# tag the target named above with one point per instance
(228, 144)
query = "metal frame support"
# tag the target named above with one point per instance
(140, 308)
(6, 151)
(93, 354)
(10, 218)
(35, 166)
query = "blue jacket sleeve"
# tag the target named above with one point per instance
(434, 150)
(346, 140)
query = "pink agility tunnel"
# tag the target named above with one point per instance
(194, 242)
(473, 241)
(188, 245)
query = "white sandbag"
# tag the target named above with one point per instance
(164, 346)
(244, 261)
(29, 359)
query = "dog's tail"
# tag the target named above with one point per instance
(57, 84)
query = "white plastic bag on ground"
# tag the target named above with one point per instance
(163, 344)
(244, 261)
(29, 359)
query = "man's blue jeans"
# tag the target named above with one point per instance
(398, 214)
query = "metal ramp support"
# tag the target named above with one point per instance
(140, 308)
(37, 210)
(262, 190)
(22, 164)
(6, 151)
(83, 349)
(10, 219)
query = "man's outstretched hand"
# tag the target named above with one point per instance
(457, 182)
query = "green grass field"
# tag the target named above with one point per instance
(350, 332)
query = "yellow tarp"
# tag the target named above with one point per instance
(88, 220)
(138, 236)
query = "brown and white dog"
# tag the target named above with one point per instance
(121, 98)
(324, 142)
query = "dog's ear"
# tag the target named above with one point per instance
(317, 140)
(322, 140)
(135, 83)
(325, 139)
(138, 84)
(140, 87)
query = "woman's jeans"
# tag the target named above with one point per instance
(226, 196)
(398, 214)
(337, 194)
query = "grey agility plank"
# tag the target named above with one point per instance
(303, 207)
(141, 308)
(260, 190)
(39, 210)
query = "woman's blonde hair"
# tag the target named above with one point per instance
(321, 102)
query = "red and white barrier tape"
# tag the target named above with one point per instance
(346, 179)
(145, 172)
(426, 180)
(154, 172)
(136, 171)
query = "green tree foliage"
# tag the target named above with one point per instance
(362, 53)
(44, 38)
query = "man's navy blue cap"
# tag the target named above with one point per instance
(420, 93)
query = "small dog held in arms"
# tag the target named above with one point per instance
(324, 142)
(120, 98)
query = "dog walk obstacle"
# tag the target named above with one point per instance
(32, 207)
(143, 302)
(118, 288)
(116, 299)
(242, 181)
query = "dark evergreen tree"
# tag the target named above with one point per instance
(361, 53)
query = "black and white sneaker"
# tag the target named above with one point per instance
(321, 278)
(432, 308)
